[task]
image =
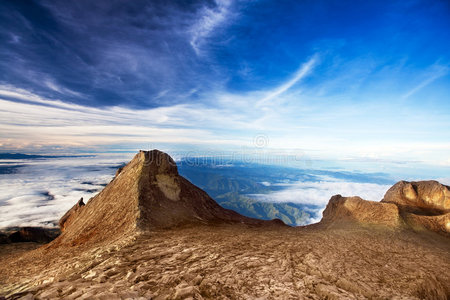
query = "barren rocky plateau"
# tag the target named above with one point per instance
(150, 234)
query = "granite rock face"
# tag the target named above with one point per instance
(147, 193)
(70, 215)
(420, 197)
(422, 205)
(355, 209)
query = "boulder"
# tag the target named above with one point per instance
(420, 197)
(421, 205)
(343, 210)
(33, 234)
(4, 238)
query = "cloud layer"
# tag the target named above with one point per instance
(315, 195)
(41, 191)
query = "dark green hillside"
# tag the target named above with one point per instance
(231, 185)
(290, 213)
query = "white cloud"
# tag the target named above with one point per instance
(299, 74)
(43, 190)
(62, 90)
(210, 19)
(42, 121)
(317, 194)
(435, 72)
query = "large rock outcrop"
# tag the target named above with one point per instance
(422, 204)
(418, 205)
(341, 210)
(421, 197)
(148, 193)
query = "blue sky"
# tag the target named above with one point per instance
(339, 80)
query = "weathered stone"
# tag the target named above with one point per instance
(148, 194)
(421, 197)
(418, 205)
(70, 215)
(354, 209)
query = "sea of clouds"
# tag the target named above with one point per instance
(314, 195)
(37, 192)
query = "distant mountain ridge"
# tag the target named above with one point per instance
(292, 214)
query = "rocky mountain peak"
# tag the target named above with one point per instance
(147, 193)
(157, 162)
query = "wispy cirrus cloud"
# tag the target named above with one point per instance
(299, 74)
(435, 72)
(210, 18)
(59, 89)
(110, 55)
(34, 122)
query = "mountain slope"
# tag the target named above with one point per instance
(290, 213)
(232, 186)
(147, 193)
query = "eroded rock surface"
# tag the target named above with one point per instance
(239, 262)
(420, 197)
(70, 215)
(341, 210)
(422, 205)
(151, 234)
(147, 193)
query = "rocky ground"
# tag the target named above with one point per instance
(236, 262)
(131, 241)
